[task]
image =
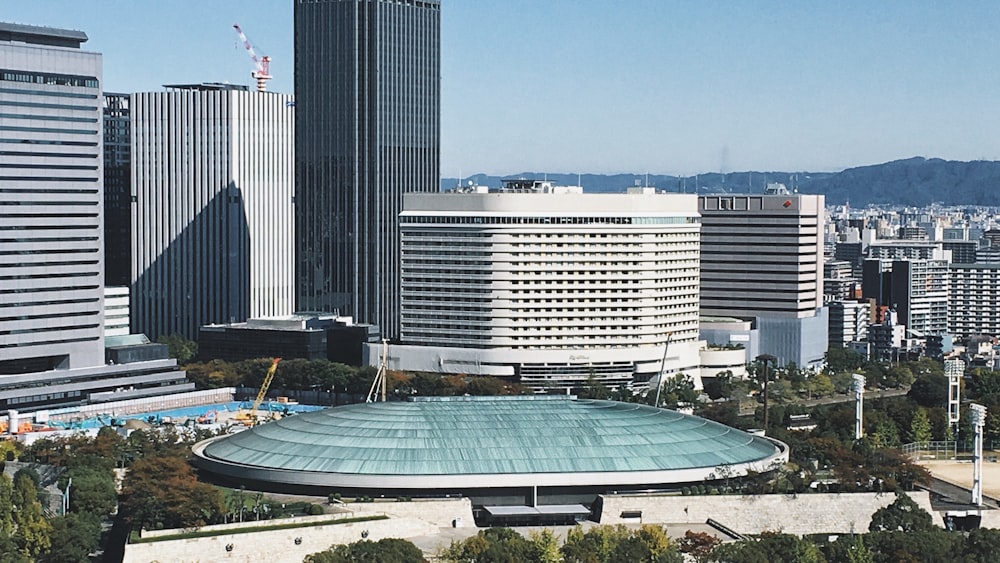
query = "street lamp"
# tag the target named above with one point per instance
(764, 359)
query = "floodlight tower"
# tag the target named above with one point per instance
(858, 386)
(977, 414)
(954, 369)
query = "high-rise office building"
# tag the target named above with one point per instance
(51, 270)
(367, 90)
(54, 350)
(212, 176)
(762, 258)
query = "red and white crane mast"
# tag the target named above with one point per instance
(261, 73)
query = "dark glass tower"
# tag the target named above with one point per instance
(117, 190)
(367, 95)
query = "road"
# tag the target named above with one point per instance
(748, 410)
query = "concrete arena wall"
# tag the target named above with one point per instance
(839, 513)
(277, 546)
(438, 512)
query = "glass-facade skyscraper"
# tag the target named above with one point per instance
(367, 96)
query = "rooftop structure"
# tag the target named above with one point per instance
(310, 336)
(38, 35)
(461, 444)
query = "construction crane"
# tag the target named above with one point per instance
(250, 417)
(378, 384)
(663, 367)
(262, 72)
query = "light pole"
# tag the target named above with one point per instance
(977, 415)
(858, 386)
(764, 359)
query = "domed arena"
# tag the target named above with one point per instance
(558, 447)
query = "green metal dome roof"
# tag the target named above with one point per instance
(441, 442)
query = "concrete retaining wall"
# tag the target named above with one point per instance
(753, 514)
(277, 546)
(406, 520)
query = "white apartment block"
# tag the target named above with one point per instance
(974, 301)
(849, 322)
(907, 250)
(550, 288)
(213, 215)
(920, 291)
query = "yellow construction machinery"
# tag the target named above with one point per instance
(249, 417)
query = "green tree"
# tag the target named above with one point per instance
(902, 515)
(74, 537)
(698, 544)
(768, 548)
(929, 390)
(388, 550)
(545, 546)
(676, 390)
(493, 545)
(842, 360)
(31, 529)
(848, 550)
(6, 506)
(933, 545)
(886, 435)
(920, 427)
(92, 492)
(486, 386)
(720, 387)
(897, 376)
(596, 545)
(180, 347)
(594, 389)
(982, 545)
(161, 491)
(820, 385)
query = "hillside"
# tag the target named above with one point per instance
(914, 181)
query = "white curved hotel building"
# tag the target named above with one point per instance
(550, 286)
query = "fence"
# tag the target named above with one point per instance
(944, 449)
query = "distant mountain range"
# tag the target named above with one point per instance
(914, 182)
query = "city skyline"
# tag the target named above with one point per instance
(650, 86)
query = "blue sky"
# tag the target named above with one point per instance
(610, 86)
